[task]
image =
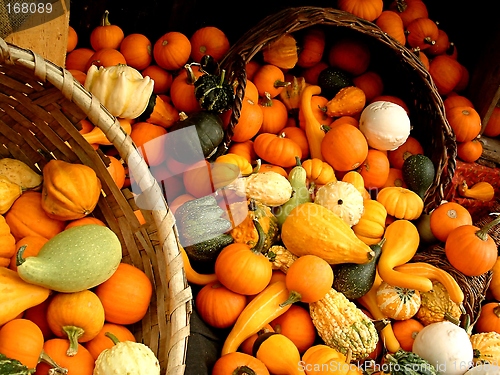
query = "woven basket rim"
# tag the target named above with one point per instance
(292, 19)
(177, 287)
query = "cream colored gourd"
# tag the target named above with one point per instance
(9, 192)
(20, 173)
(446, 346)
(386, 125)
(122, 89)
(343, 199)
(269, 188)
(126, 357)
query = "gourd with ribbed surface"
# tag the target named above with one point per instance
(486, 346)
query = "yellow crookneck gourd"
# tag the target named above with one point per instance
(482, 191)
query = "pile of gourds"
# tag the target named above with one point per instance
(300, 238)
(66, 298)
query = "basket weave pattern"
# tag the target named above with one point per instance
(41, 105)
(399, 65)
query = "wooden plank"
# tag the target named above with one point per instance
(484, 87)
(45, 34)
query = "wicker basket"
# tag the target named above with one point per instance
(402, 72)
(41, 105)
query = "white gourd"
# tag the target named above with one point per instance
(446, 346)
(386, 125)
(127, 357)
(343, 199)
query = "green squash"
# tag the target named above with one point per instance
(407, 363)
(76, 259)
(213, 93)
(418, 173)
(355, 280)
(202, 228)
(332, 80)
(194, 138)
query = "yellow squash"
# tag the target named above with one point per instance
(313, 229)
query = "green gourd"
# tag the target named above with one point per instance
(202, 229)
(300, 192)
(76, 259)
(355, 280)
(418, 173)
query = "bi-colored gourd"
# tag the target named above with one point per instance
(343, 326)
(76, 259)
(9, 192)
(20, 173)
(436, 306)
(369, 301)
(17, 295)
(486, 347)
(401, 244)
(402, 362)
(213, 92)
(265, 307)
(127, 357)
(397, 303)
(245, 232)
(337, 244)
(270, 188)
(62, 197)
(300, 192)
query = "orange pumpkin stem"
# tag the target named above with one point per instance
(496, 311)
(483, 232)
(105, 19)
(292, 298)
(74, 333)
(56, 369)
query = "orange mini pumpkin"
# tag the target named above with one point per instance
(276, 149)
(62, 197)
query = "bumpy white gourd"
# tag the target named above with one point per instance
(446, 346)
(127, 357)
(343, 199)
(386, 125)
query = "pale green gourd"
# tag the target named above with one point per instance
(300, 192)
(76, 259)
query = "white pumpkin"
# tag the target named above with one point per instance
(386, 125)
(446, 346)
(343, 199)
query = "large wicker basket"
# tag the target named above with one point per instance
(41, 105)
(403, 73)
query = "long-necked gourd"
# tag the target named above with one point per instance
(76, 259)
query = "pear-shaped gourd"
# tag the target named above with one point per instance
(418, 173)
(76, 259)
(355, 280)
(9, 192)
(20, 173)
(300, 192)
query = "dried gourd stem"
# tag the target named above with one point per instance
(55, 368)
(483, 232)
